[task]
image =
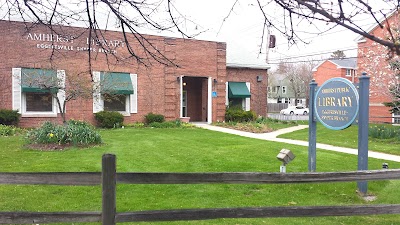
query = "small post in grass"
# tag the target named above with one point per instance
(109, 181)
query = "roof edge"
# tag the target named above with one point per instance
(248, 66)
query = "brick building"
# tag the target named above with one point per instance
(345, 68)
(372, 59)
(197, 83)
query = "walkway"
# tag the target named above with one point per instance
(272, 136)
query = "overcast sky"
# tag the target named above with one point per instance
(242, 31)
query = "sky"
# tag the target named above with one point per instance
(242, 30)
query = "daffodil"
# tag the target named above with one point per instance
(51, 135)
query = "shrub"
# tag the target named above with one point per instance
(135, 125)
(151, 118)
(384, 132)
(109, 119)
(9, 130)
(74, 132)
(9, 117)
(237, 114)
(171, 124)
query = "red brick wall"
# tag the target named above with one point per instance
(158, 89)
(379, 114)
(372, 59)
(328, 70)
(258, 90)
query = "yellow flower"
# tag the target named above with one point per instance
(51, 135)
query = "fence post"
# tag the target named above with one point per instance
(108, 181)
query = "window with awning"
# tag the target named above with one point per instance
(116, 83)
(238, 90)
(39, 80)
(35, 91)
(115, 91)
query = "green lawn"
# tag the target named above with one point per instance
(188, 150)
(345, 138)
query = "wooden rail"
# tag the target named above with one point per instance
(86, 179)
(108, 178)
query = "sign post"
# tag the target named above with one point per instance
(363, 130)
(312, 131)
(336, 104)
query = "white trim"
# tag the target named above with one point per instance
(134, 97)
(348, 70)
(394, 117)
(209, 101)
(316, 67)
(25, 113)
(180, 96)
(247, 100)
(248, 66)
(16, 89)
(61, 91)
(377, 104)
(127, 106)
(98, 104)
(226, 94)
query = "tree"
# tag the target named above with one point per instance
(325, 15)
(338, 54)
(299, 77)
(394, 88)
(130, 17)
(163, 15)
(96, 16)
(383, 67)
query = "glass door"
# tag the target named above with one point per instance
(184, 103)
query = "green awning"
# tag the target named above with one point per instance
(39, 80)
(116, 83)
(238, 90)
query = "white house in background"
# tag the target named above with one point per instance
(280, 91)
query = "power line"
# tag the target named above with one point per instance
(312, 54)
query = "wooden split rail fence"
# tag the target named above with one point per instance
(108, 178)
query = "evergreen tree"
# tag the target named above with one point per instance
(338, 54)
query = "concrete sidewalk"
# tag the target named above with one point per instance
(272, 136)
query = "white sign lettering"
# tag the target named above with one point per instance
(65, 42)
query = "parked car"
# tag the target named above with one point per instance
(295, 110)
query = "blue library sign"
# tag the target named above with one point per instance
(336, 103)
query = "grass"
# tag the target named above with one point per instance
(346, 138)
(188, 150)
